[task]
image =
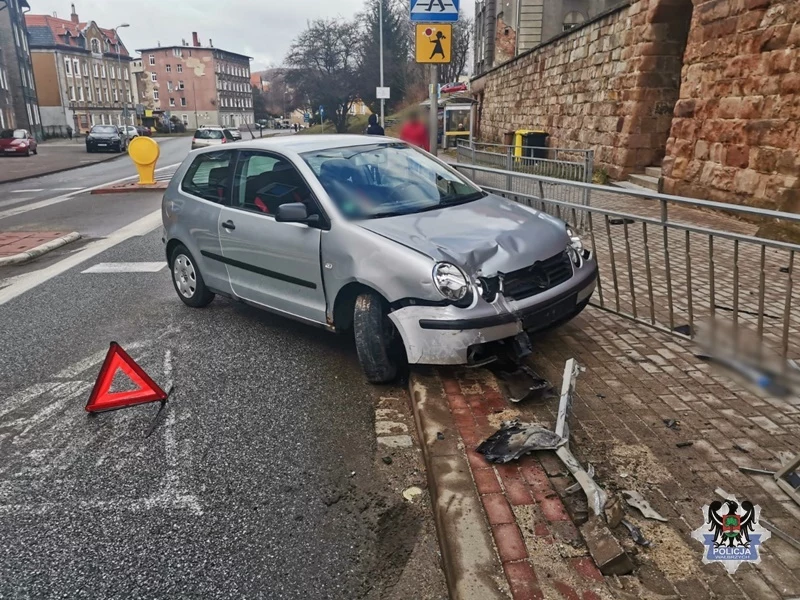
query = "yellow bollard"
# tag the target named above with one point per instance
(144, 152)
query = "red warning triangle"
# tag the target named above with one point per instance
(102, 399)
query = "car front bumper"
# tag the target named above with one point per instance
(444, 335)
(12, 150)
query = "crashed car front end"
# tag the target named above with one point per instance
(495, 307)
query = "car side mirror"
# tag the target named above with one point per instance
(294, 212)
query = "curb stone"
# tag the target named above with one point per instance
(29, 255)
(471, 566)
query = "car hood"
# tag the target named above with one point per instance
(6, 142)
(483, 237)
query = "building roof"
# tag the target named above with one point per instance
(47, 31)
(190, 47)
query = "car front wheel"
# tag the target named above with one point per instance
(187, 279)
(378, 343)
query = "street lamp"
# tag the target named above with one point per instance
(124, 84)
(380, 18)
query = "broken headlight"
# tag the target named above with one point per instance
(575, 240)
(450, 281)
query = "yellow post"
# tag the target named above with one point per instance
(144, 153)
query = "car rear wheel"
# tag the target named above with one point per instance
(187, 279)
(378, 343)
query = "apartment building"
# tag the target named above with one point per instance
(19, 107)
(82, 73)
(506, 28)
(201, 85)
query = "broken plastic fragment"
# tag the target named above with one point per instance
(636, 534)
(515, 439)
(636, 500)
(411, 493)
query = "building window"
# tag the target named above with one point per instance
(103, 71)
(172, 101)
(97, 94)
(169, 68)
(180, 85)
(116, 95)
(152, 60)
(169, 86)
(185, 119)
(88, 94)
(76, 67)
(119, 73)
(96, 68)
(573, 19)
(106, 94)
(180, 68)
(155, 94)
(102, 119)
(85, 66)
(112, 73)
(177, 52)
(80, 94)
(128, 94)
(153, 77)
(183, 101)
(127, 74)
(68, 67)
(72, 93)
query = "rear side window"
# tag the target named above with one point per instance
(209, 177)
(208, 134)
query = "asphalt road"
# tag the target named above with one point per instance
(262, 477)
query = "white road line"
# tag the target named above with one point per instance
(30, 191)
(25, 396)
(127, 267)
(49, 202)
(79, 367)
(28, 281)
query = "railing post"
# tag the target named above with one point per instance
(509, 166)
(472, 147)
(588, 173)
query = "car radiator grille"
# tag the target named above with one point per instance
(537, 278)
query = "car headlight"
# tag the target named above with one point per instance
(450, 281)
(575, 240)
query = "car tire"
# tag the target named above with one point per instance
(187, 280)
(378, 344)
(36, 151)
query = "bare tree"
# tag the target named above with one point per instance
(462, 37)
(323, 63)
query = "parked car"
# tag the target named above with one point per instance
(105, 137)
(451, 88)
(374, 236)
(17, 142)
(210, 136)
(129, 131)
(235, 133)
(144, 131)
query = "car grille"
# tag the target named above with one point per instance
(537, 278)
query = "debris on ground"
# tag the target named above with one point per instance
(683, 330)
(636, 534)
(440, 436)
(636, 500)
(387, 460)
(684, 444)
(614, 512)
(621, 221)
(524, 384)
(741, 448)
(515, 439)
(577, 486)
(672, 424)
(606, 551)
(411, 493)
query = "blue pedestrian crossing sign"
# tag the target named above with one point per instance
(434, 11)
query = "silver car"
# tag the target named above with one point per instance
(211, 136)
(371, 235)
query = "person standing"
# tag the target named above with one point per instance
(374, 127)
(415, 132)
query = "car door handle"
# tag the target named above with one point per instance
(229, 225)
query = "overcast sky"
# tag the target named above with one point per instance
(263, 29)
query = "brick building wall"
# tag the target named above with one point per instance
(736, 132)
(610, 84)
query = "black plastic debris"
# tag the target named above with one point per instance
(524, 384)
(440, 436)
(683, 330)
(741, 448)
(636, 534)
(621, 221)
(672, 424)
(784, 269)
(684, 444)
(387, 460)
(515, 439)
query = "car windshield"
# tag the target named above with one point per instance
(383, 180)
(208, 134)
(104, 129)
(17, 134)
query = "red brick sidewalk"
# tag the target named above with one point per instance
(16, 242)
(635, 379)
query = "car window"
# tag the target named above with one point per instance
(208, 134)
(264, 182)
(103, 129)
(381, 180)
(209, 177)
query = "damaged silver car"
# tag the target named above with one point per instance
(373, 236)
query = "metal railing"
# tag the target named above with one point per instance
(677, 264)
(571, 164)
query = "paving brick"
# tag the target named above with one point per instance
(517, 492)
(522, 581)
(486, 481)
(567, 591)
(498, 510)
(553, 509)
(586, 568)
(510, 545)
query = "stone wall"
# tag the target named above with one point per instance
(736, 132)
(610, 85)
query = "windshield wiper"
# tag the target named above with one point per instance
(453, 200)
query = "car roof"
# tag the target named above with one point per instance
(312, 143)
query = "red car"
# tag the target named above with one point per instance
(451, 88)
(17, 141)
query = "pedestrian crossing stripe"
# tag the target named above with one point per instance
(432, 11)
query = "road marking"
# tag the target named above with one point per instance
(27, 191)
(28, 281)
(49, 202)
(25, 396)
(127, 267)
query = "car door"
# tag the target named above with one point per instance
(205, 188)
(273, 264)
